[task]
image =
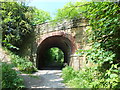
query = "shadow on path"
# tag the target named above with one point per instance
(44, 79)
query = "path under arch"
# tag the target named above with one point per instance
(59, 41)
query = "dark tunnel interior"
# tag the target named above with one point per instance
(60, 42)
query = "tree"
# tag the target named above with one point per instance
(71, 10)
(18, 20)
(104, 37)
(40, 16)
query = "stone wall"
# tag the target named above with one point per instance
(77, 62)
(76, 28)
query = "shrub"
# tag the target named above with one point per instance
(68, 73)
(91, 77)
(77, 79)
(23, 64)
(10, 78)
(104, 38)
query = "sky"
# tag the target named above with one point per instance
(49, 5)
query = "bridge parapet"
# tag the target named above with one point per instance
(65, 25)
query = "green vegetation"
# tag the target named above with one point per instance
(71, 11)
(54, 56)
(18, 21)
(0, 75)
(23, 64)
(92, 77)
(10, 78)
(40, 16)
(103, 35)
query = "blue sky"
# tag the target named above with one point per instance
(49, 5)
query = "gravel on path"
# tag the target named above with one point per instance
(44, 79)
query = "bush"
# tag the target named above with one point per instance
(10, 78)
(23, 64)
(77, 79)
(91, 77)
(104, 38)
(68, 73)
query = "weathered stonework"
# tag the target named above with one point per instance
(69, 36)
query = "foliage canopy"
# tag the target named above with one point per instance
(18, 20)
(55, 57)
(71, 11)
(104, 37)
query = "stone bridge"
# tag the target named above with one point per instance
(69, 36)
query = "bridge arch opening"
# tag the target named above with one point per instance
(65, 44)
(54, 59)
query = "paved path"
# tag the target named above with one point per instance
(44, 79)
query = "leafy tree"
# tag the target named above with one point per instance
(40, 16)
(18, 21)
(104, 36)
(104, 20)
(15, 23)
(71, 11)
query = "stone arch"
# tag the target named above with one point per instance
(61, 40)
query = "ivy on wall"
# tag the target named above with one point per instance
(104, 37)
(105, 34)
(104, 20)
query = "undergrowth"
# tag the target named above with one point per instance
(91, 77)
(104, 38)
(23, 64)
(10, 78)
